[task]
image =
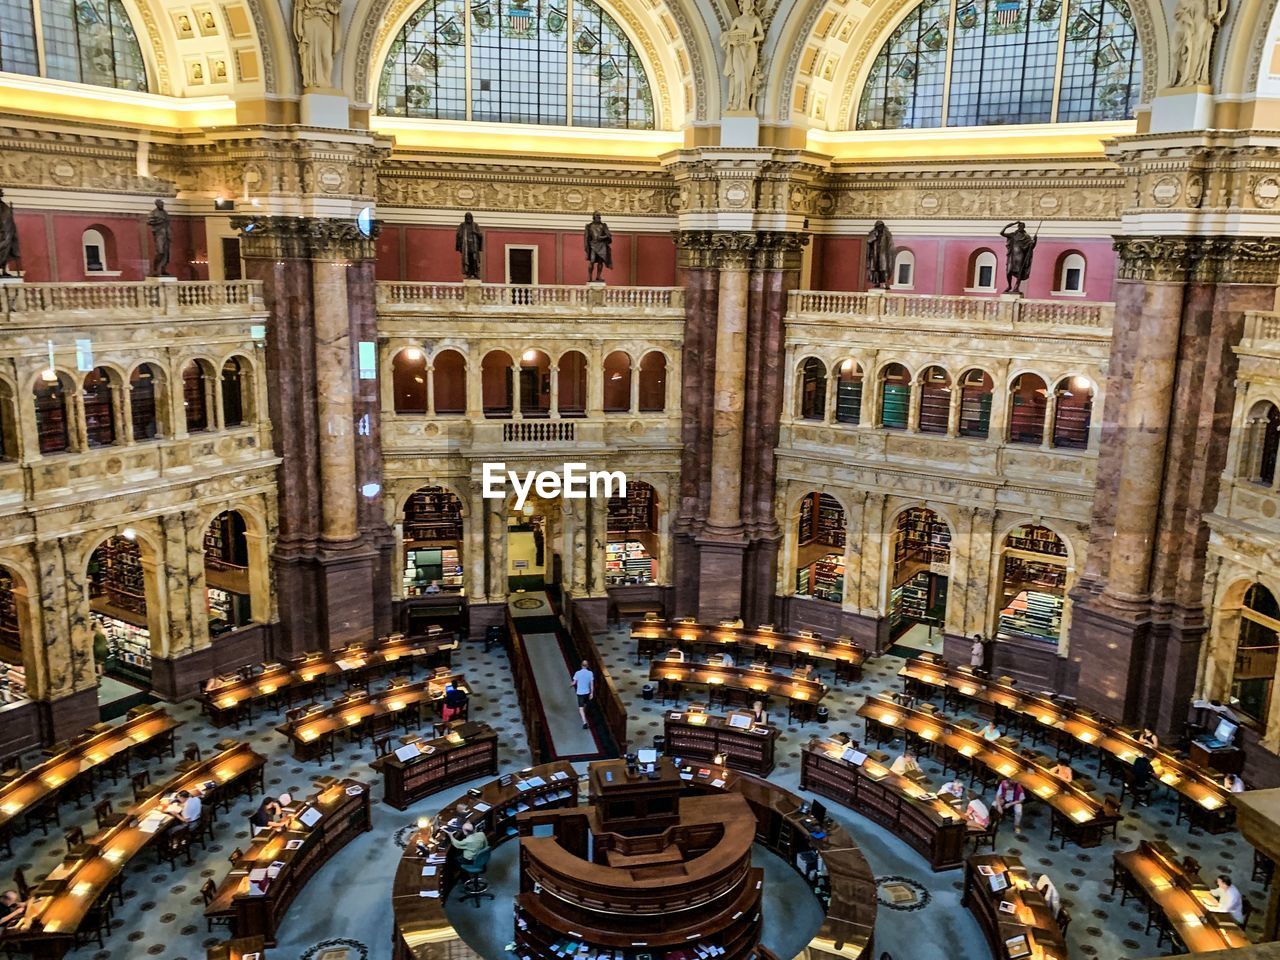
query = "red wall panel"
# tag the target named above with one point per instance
(33, 244)
(655, 260)
(387, 266)
(429, 255)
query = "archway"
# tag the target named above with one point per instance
(449, 382)
(820, 538)
(531, 543)
(227, 561)
(1254, 675)
(144, 412)
(496, 390)
(53, 415)
(849, 392)
(920, 568)
(197, 395)
(100, 392)
(433, 542)
(1033, 585)
(535, 384)
(1028, 401)
(653, 382)
(976, 389)
(13, 665)
(631, 555)
(571, 386)
(935, 400)
(119, 611)
(1072, 413)
(409, 380)
(895, 397)
(813, 390)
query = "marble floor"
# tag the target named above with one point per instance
(343, 914)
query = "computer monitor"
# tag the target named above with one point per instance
(818, 811)
(646, 758)
(1225, 731)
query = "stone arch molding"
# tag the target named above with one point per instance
(830, 46)
(675, 52)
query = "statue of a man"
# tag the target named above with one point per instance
(1198, 22)
(598, 242)
(741, 43)
(162, 237)
(315, 28)
(1018, 248)
(469, 242)
(8, 237)
(879, 256)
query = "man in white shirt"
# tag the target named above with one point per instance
(584, 685)
(905, 765)
(1050, 893)
(1229, 899)
(977, 813)
(726, 660)
(185, 807)
(954, 788)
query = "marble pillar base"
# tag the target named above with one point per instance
(759, 581)
(594, 612)
(828, 619)
(67, 716)
(326, 601)
(177, 678)
(21, 728)
(1035, 665)
(481, 616)
(684, 569)
(720, 567)
(1109, 646)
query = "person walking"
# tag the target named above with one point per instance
(584, 685)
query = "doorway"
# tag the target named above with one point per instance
(231, 267)
(521, 264)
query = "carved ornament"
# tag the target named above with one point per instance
(304, 238)
(1199, 259)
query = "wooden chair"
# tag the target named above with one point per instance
(75, 840)
(140, 781)
(105, 815)
(209, 890)
(20, 881)
(191, 753)
(235, 854)
(95, 925)
(381, 746)
(1064, 920)
(176, 842)
(987, 836)
(1264, 869)
(1246, 909)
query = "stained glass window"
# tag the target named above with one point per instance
(1007, 58)
(18, 38)
(522, 56)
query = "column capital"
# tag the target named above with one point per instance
(304, 238)
(1178, 259)
(740, 249)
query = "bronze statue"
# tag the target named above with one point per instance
(469, 242)
(1019, 246)
(8, 237)
(879, 256)
(162, 236)
(598, 242)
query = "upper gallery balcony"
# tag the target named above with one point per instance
(401, 298)
(89, 303)
(916, 311)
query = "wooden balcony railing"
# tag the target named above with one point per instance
(399, 295)
(1013, 314)
(36, 302)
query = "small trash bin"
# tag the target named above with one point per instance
(660, 743)
(822, 714)
(647, 691)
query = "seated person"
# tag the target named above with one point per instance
(1229, 899)
(726, 660)
(270, 815)
(953, 788)
(1148, 738)
(675, 654)
(470, 841)
(802, 672)
(1143, 772)
(185, 807)
(1050, 893)
(1233, 783)
(455, 703)
(433, 587)
(1063, 771)
(991, 731)
(976, 813)
(12, 907)
(758, 714)
(1010, 795)
(905, 765)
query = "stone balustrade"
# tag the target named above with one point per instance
(411, 297)
(1013, 314)
(459, 436)
(1261, 332)
(42, 302)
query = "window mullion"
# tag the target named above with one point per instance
(568, 62)
(946, 73)
(1061, 61)
(466, 69)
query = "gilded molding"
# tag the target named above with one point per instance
(1173, 259)
(37, 159)
(303, 238)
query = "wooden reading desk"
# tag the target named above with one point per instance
(310, 732)
(1202, 798)
(743, 683)
(421, 768)
(224, 696)
(1028, 927)
(61, 901)
(655, 636)
(695, 735)
(1176, 898)
(1077, 815)
(264, 880)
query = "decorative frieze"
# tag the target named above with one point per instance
(299, 238)
(1179, 259)
(740, 249)
(67, 161)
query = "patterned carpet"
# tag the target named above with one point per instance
(343, 914)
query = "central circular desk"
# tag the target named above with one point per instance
(832, 864)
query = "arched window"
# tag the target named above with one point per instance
(52, 419)
(1005, 64)
(631, 553)
(813, 389)
(142, 402)
(895, 396)
(976, 389)
(904, 270)
(1257, 651)
(433, 542)
(1072, 411)
(99, 408)
(120, 591)
(233, 392)
(195, 395)
(849, 392)
(1263, 429)
(535, 384)
(653, 382)
(521, 56)
(226, 573)
(982, 272)
(1028, 400)
(617, 382)
(820, 539)
(935, 400)
(572, 383)
(449, 382)
(1033, 584)
(1070, 274)
(496, 389)
(409, 380)
(91, 41)
(94, 245)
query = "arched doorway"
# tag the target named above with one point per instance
(1254, 675)
(13, 673)
(118, 607)
(433, 544)
(820, 537)
(1033, 585)
(535, 384)
(631, 555)
(920, 567)
(531, 563)
(226, 573)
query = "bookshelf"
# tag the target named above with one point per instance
(821, 521)
(636, 512)
(921, 537)
(628, 561)
(51, 418)
(13, 682)
(224, 542)
(471, 751)
(99, 417)
(702, 737)
(849, 401)
(10, 637)
(822, 579)
(421, 566)
(433, 515)
(129, 649)
(1037, 540)
(935, 406)
(1071, 416)
(116, 575)
(1034, 614)
(1026, 415)
(894, 406)
(975, 413)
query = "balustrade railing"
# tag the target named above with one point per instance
(395, 293)
(136, 301)
(1261, 331)
(538, 431)
(1009, 313)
